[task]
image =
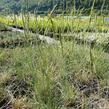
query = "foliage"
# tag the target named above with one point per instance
(71, 74)
(62, 5)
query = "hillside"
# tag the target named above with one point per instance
(46, 5)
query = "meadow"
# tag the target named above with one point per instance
(72, 74)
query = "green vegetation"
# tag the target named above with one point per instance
(51, 76)
(3, 27)
(47, 25)
(44, 6)
(72, 73)
(43, 76)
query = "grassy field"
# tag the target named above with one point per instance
(45, 76)
(68, 75)
(50, 25)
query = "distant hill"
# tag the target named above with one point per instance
(41, 6)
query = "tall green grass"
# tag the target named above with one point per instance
(47, 76)
(44, 25)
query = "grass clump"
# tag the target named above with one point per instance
(69, 74)
(3, 27)
(66, 78)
